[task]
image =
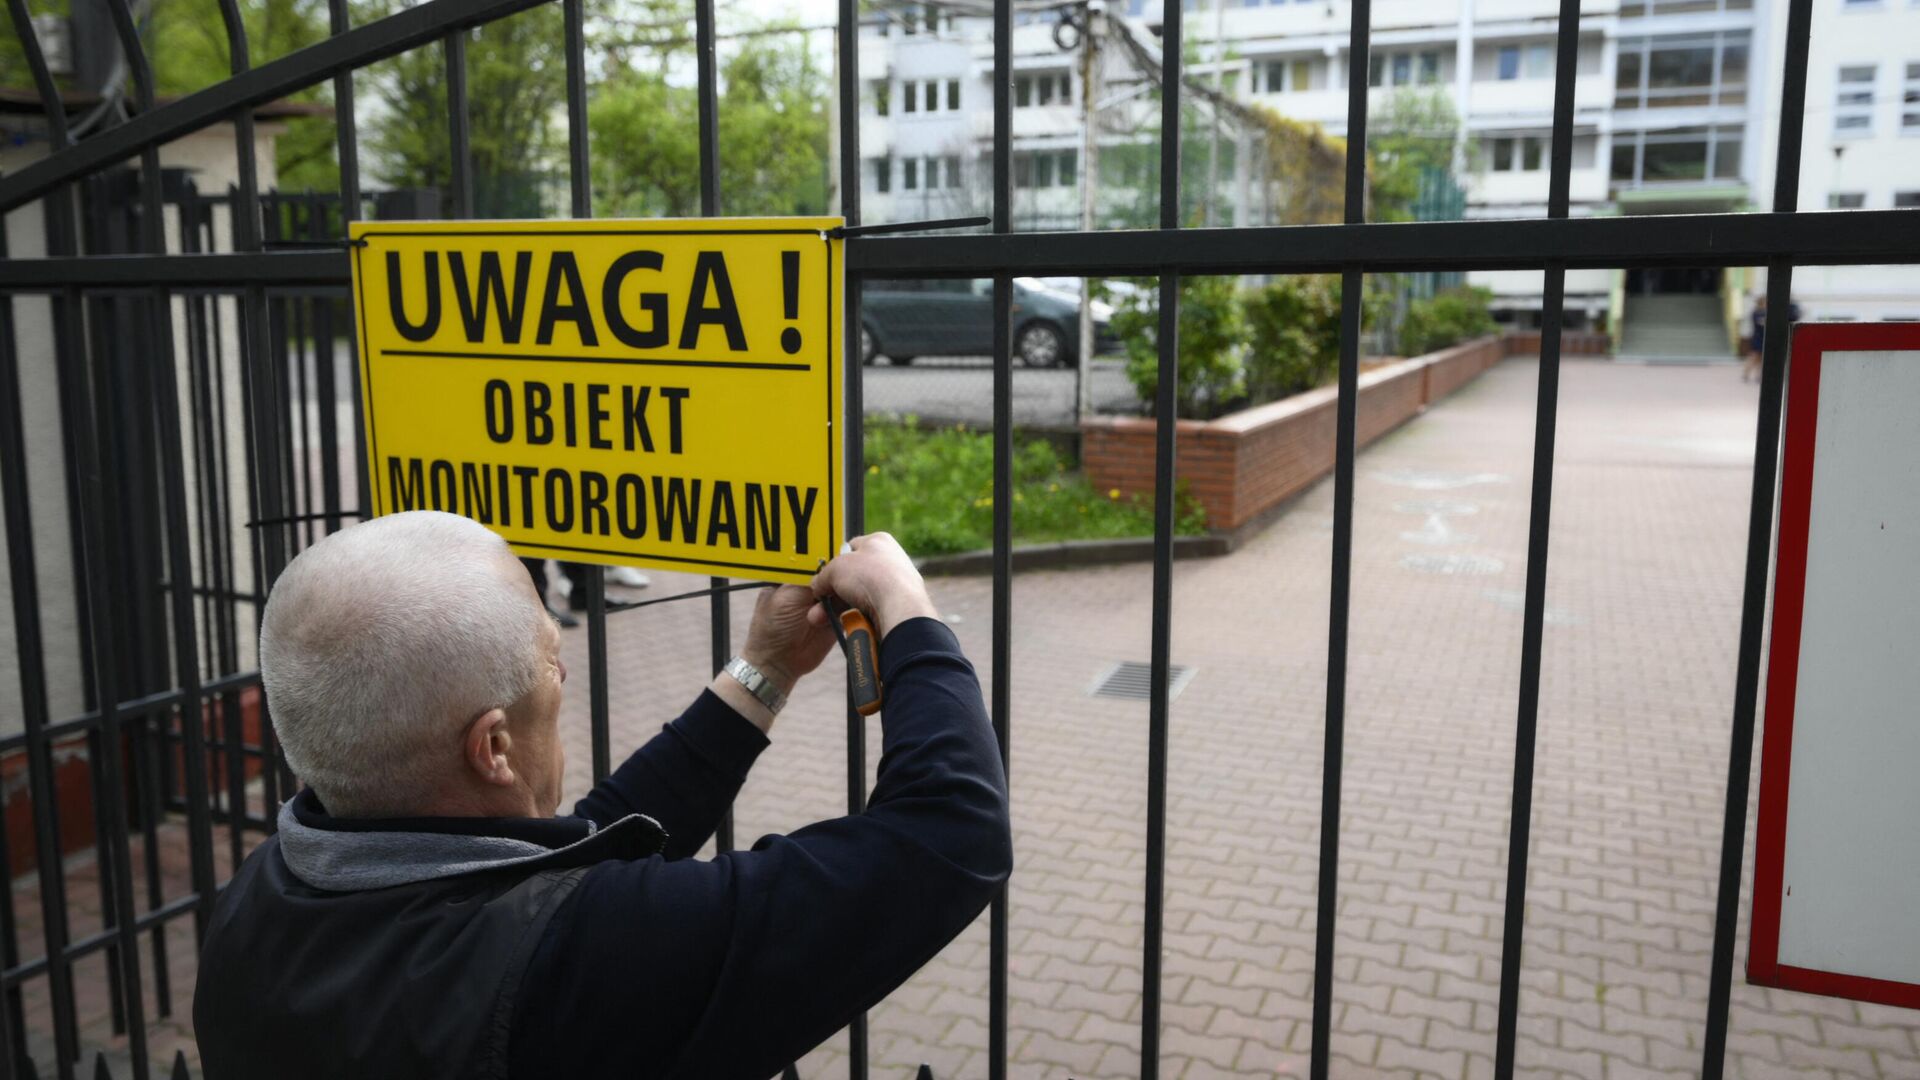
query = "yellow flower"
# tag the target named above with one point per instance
(1113, 493)
(873, 470)
(1053, 487)
(1017, 497)
(1083, 509)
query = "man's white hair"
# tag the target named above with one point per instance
(381, 643)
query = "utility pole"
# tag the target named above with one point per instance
(1090, 30)
(1213, 131)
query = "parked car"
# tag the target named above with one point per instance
(910, 318)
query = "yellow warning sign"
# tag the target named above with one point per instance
(653, 393)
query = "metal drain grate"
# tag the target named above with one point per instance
(1132, 680)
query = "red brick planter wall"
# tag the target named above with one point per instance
(1248, 462)
(73, 784)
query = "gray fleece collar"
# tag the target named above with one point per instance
(355, 861)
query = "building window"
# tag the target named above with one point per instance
(1676, 155)
(1906, 200)
(909, 174)
(882, 91)
(882, 175)
(908, 97)
(1634, 9)
(953, 170)
(1517, 153)
(953, 93)
(1047, 88)
(1295, 76)
(1539, 61)
(1508, 64)
(933, 95)
(1404, 68)
(1853, 101)
(1657, 73)
(1910, 102)
(1846, 200)
(1045, 168)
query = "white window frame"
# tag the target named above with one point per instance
(1910, 97)
(1852, 116)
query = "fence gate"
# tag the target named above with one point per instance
(168, 454)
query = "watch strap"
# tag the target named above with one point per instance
(756, 684)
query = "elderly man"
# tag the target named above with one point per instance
(422, 912)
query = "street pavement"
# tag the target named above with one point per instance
(960, 390)
(1653, 466)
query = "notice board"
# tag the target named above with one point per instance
(652, 393)
(1836, 906)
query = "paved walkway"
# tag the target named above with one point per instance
(1643, 605)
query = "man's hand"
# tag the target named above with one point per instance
(877, 577)
(782, 642)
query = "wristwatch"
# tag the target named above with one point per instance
(757, 684)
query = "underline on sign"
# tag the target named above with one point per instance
(639, 361)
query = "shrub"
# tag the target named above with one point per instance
(1295, 335)
(1213, 331)
(1444, 319)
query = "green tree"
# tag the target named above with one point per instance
(772, 135)
(1413, 129)
(516, 79)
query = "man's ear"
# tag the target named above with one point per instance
(485, 747)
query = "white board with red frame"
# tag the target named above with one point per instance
(1836, 899)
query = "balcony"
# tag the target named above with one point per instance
(1534, 97)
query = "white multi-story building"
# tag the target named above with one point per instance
(1671, 115)
(1860, 148)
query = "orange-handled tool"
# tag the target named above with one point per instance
(861, 646)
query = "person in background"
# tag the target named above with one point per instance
(1756, 354)
(576, 575)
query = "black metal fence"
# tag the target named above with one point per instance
(170, 457)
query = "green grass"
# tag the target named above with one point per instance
(932, 488)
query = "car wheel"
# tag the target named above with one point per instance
(869, 349)
(1040, 344)
(900, 361)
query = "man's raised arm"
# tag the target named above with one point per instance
(754, 957)
(686, 776)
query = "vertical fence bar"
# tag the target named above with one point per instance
(1546, 413)
(719, 613)
(29, 654)
(1002, 704)
(459, 129)
(13, 1026)
(1352, 282)
(1766, 448)
(163, 383)
(854, 451)
(261, 395)
(24, 581)
(346, 128)
(1165, 421)
(580, 189)
(100, 526)
(347, 149)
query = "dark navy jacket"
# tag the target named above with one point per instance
(596, 945)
